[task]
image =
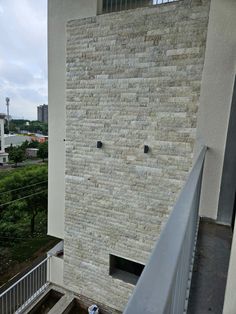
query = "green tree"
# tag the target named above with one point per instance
(24, 145)
(6, 131)
(9, 149)
(16, 154)
(36, 205)
(34, 144)
(23, 201)
(43, 150)
(12, 126)
(37, 127)
(31, 126)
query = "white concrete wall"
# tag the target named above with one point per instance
(3, 158)
(55, 270)
(59, 12)
(215, 99)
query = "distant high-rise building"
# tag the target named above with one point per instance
(42, 111)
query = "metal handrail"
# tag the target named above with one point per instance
(22, 292)
(43, 261)
(164, 285)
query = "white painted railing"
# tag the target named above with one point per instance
(164, 285)
(19, 295)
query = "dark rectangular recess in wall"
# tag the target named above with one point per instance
(124, 269)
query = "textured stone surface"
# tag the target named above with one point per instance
(133, 79)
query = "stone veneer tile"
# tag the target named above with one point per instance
(133, 79)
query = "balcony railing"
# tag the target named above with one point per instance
(119, 5)
(25, 290)
(164, 285)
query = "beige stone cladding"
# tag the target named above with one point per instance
(133, 79)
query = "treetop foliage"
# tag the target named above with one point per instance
(18, 153)
(24, 193)
(17, 125)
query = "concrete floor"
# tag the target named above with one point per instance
(210, 269)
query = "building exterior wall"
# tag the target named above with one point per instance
(16, 140)
(45, 113)
(228, 178)
(31, 152)
(3, 158)
(216, 97)
(59, 12)
(2, 139)
(133, 79)
(42, 113)
(3, 155)
(39, 113)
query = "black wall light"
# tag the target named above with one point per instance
(146, 149)
(99, 144)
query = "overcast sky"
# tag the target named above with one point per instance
(23, 56)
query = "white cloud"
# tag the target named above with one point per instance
(23, 55)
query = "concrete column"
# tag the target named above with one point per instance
(59, 12)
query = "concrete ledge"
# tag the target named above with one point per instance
(67, 299)
(62, 304)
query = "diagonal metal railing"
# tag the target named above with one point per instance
(164, 285)
(120, 5)
(25, 290)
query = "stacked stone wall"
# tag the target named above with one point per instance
(133, 79)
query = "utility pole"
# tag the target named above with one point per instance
(8, 116)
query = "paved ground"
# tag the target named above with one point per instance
(210, 269)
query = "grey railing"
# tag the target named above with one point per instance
(25, 290)
(164, 285)
(119, 5)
